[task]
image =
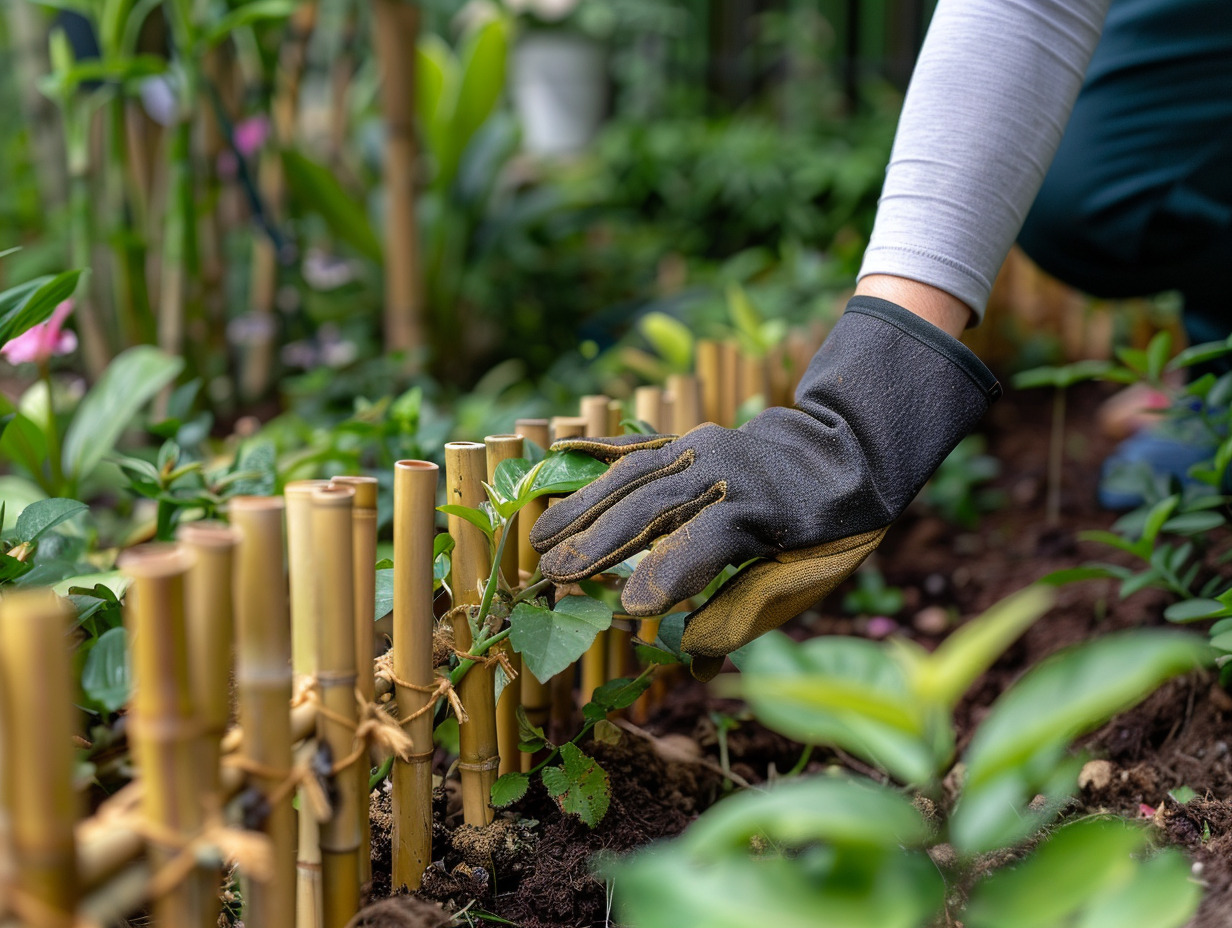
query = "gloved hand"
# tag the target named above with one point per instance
(810, 490)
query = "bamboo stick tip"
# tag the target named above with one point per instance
(257, 503)
(461, 446)
(365, 489)
(334, 495)
(208, 534)
(521, 424)
(409, 465)
(305, 487)
(156, 561)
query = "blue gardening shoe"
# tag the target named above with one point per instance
(1160, 452)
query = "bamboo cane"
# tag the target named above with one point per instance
(535, 695)
(710, 374)
(594, 411)
(729, 378)
(363, 549)
(305, 622)
(687, 408)
(478, 755)
(165, 735)
(210, 612)
(414, 529)
(560, 689)
(39, 720)
(395, 27)
(754, 379)
(648, 407)
(263, 678)
(504, 448)
(568, 427)
(615, 415)
(333, 570)
(594, 662)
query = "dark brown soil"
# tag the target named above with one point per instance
(538, 871)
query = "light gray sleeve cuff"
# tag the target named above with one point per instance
(988, 101)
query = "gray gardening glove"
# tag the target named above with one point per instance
(810, 490)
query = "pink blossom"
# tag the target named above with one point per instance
(44, 340)
(1145, 811)
(880, 626)
(250, 134)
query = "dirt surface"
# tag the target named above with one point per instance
(535, 868)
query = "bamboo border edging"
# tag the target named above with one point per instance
(479, 756)
(536, 697)
(504, 448)
(415, 485)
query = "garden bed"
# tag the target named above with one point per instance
(536, 872)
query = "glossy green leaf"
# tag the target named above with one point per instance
(509, 788)
(1194, 610)
(834, 810)
(846, 692)
(1158, 515)
(549, 641)
(44, 515)
(384, 603)
(580, 787)
(566, 472)
(317, 190)
(436, 88)
(28, 305)
(105, 676)
(129, 382)
(1157, 354)
(480, 518)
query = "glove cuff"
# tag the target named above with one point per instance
(935, 338)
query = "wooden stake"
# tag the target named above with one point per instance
(165, 735)
(39, 720)
(209, 607)
(536, 697)
(363, 550)
(710, 374)
(478, 756)
(305, 623)
(333, 569)
(504, 448)
(263, 679)
(414, 531)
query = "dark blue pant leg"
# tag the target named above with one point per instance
(1139, 197)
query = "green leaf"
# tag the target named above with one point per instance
(529, 734)
(480, 518)
(580, 787)
(849, 693)
(1075, 873)
(1060, 377)
(45, 514)
(247, 14)
(384, 594)
(1158, 515)
(28, 305)
(1192, 523)
(835, 810)
(670, 338)
(317, 190)
(1029, 729)
(1161, 894)
(481, 62)
(973, 647)
(1157, 354)
(508, 481)
(1200, 354)
(549, 641)
(615, 695)
(566, 472)
(1194, 610)
(509, 788)
(16, 493)
(130, 381)
(1086, 572)
(105, 676)
(115, 581)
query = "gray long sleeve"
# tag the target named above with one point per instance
(988, 101)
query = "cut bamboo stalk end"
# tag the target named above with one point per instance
(568, 427)
(363, 542)
(594, 412)
(503, 448)
(39, 719)
(478, 759)
(333, 570)
(163, 730)
(263, 679)
(535, 430)
(415, 485)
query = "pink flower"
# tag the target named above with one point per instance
(44, 340)
(250, 134)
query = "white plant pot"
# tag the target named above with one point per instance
(559, 84)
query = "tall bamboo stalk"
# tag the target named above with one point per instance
(729, 373)
(263, 679)
(754, 379)
(648, 406)
(479, 756)
(414, 531)
(39, 719)
(615, 415)
(305, 622)
(395, 30)
(210, 613)
(568, 427)
(710, 373)
(687, 408)
(535, 696)
(504, 448)
(163, 729)
(594, 411)
(595, 661)
(333, 569)
(363, 550)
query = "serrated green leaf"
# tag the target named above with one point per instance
(44, 515)
(580, 787)
(509, 788)
(549, 641)
(105, 677)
